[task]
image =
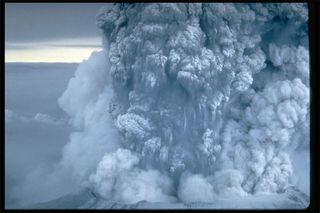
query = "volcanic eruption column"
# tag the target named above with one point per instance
(208, 100)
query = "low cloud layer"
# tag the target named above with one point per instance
(11, 116)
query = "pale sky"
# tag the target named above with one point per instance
(51, 32)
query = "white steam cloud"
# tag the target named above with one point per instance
(86, 100)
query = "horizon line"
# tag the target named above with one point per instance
(39, 62)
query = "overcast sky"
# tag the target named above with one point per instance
(51, 32)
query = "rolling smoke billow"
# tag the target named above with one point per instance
(191, 105)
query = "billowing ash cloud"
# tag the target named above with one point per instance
(204, 100)
(118, 177)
